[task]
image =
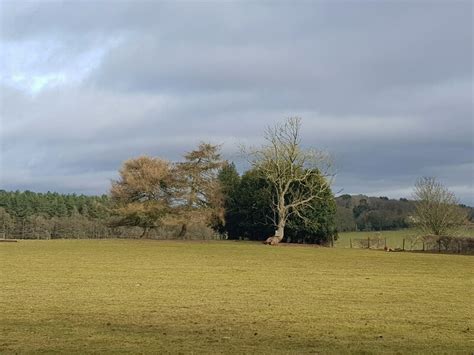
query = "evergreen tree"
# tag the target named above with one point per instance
(229, 180)
(198, 192)
(249, 215)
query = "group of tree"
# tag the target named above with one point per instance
(152, 193)
(250, 210)
(287, 190)
(434, 211)
(363, 213)
(285, 195)
(51, 215)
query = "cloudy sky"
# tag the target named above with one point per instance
(387, 87)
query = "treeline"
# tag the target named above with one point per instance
(247, 214)
(52, 204)
(52, 215)
(201, 197)
(363, 213)
(285, 195)
(204, 190)
(31, 215)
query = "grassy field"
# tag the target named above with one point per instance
(118, 296)
(394, 238)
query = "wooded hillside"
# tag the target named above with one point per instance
(364, 213)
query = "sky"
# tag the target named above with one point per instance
(385, 86)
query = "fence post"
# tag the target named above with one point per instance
(403, 248)
(459, 247)
(439, 245)
(385, 246)
(350, 241)
(423, 245)
(368, 242)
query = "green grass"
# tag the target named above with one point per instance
(119, 296)
(394, 238)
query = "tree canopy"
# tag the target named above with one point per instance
(297, 176)
(249, 214)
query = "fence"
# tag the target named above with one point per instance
(430, 243)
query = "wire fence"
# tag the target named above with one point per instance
(430, 243)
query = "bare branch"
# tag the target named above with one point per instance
(298, 176)
(437, 209)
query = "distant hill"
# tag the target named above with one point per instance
(360, 212)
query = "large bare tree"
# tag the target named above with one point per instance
(437, 209)
(298, 176)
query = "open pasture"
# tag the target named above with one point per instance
(119, 296)
(394, 238)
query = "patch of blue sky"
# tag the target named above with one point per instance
(33, 66)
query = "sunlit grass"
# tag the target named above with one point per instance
(109, 296)
(394, 238)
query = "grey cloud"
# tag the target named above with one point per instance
(386, 87)
(353, 50)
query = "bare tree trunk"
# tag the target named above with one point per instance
(184, 229)
(280, 232)
(145, 231)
